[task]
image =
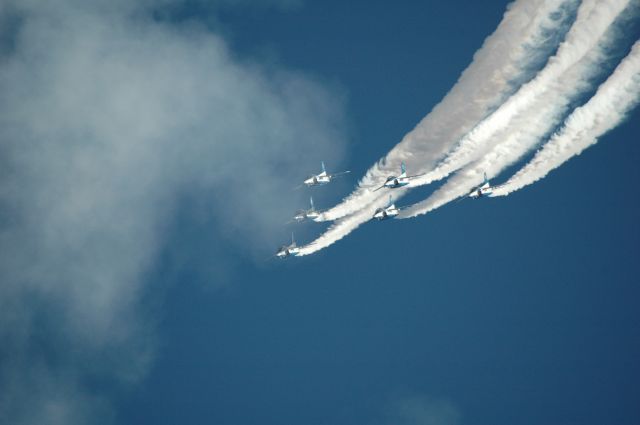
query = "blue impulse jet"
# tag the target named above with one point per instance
(485, 189)
(311, 213)
(288, 250)
(322, 178)
(394, 182)
(389, 211)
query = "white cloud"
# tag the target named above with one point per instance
(107, 117)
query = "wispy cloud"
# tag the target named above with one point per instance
(107, 117)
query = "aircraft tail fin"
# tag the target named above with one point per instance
(311, 201)
(486, 180)
(323, 170)
(293, 241)
(402, 167)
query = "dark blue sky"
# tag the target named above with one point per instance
(517, 310)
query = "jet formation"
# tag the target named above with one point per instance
(323, 178)
(380, 214)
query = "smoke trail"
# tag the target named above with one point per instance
(593, 19)
(529, 127)
(604, 111)
(342, 227)
(524, 38)
(521, 39)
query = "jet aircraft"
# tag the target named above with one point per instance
(394, 182)
(288, 250)
(322, 178)
(311, 213)
(485, 189)
(389, 211)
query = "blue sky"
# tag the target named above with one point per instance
(515, 310)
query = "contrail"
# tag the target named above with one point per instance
(342, 227)
(604, 111)
(594, 18)
(523, 38)
(528, 129)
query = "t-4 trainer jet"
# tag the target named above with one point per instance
(389, 211)
(322, 178)
(394, 182)
(485, 189)
(288, 250)
(311, 213)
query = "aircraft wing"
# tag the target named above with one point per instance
(340, 173)
(376, 189)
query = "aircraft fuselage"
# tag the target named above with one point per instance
(317, 180)
(482, 191)
(287, 251)
(386, 213)
(303, 215)
(313, 214)
(394, 182)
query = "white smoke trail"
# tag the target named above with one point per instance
(526, 129)
(592, 21)
(504, 59)
(594, 18)
(342, 227)
(604, 111)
